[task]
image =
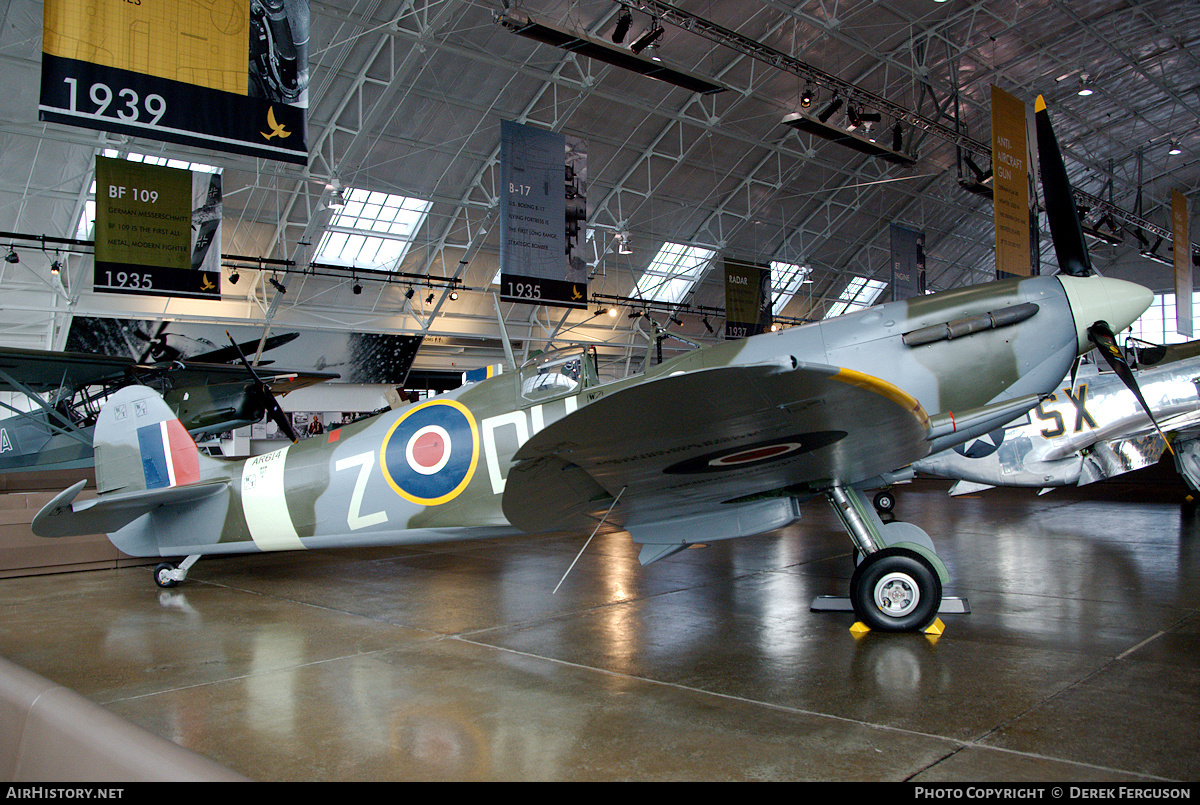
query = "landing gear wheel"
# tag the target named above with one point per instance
(885, 501)
(162, 575)
(895, 590)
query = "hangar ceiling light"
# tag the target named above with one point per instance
(616, 55)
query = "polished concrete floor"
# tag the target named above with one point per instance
(1079, 660)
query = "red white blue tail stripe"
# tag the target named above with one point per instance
(169, 456)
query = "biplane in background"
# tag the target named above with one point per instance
(65, 391)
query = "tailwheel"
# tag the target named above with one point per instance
(895, 590)
(167, 575)
(164, 575)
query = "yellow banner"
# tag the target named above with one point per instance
(1181, 240)
(201, 44)
(1011, 180)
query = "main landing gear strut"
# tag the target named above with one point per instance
(897, 585)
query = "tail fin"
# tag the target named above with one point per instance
(145, 461)
(140, 444)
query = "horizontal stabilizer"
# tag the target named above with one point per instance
(62, 517)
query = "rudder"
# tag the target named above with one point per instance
(140, 444)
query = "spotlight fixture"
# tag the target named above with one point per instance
(612, 312)
(651, 36)
(707, 326)
(858, 118)
(454, 296)
(829, 110)
(277, 285)
(623, 23)
(1175, 151)
(408, 294)
(55, 267)
(11, 257)
(625, 57)
(806, 98)
(1085, 85)
(429, 299)
(337, 198)
(234, 277)
(357, 288)
(623, 243)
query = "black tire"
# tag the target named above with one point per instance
(162, 580)
(895, 590)
(885, 501)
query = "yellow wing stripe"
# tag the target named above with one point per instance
(885, 389)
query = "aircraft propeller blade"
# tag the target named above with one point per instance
(1061, 214)
(1102, 336)
(266, 398)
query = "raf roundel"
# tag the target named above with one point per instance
(431, 452)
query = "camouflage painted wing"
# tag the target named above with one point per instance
(42, 371)
(684, 444)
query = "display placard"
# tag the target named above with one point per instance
(747, 299)
(1182, 239)
(157, 230)
(544, 215)
(1014, 199)
(908, 262)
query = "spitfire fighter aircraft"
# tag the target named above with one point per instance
(1090, 429)
(717, 443)
(823, 409)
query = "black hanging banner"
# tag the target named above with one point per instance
(908, 262)
(544, 216)
(747, 299)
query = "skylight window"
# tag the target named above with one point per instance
(195, 167)
(1158, 326)
(373, 229)
(673, 273)
(860, 293)
(786, 279)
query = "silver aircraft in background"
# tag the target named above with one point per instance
(1090, 429)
